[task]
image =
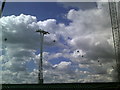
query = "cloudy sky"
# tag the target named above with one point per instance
(83, 48)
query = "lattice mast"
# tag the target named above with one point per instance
(115, 23)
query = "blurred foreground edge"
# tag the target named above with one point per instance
(113, 85)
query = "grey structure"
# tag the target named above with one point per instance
(114, 8)
(40, 74)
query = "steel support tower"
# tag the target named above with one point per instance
(40, 74)
(115, 23)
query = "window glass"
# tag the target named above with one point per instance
(78, 49)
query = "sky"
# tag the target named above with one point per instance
(82, 52)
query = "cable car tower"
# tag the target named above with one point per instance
(40, 74)
(114, 8)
